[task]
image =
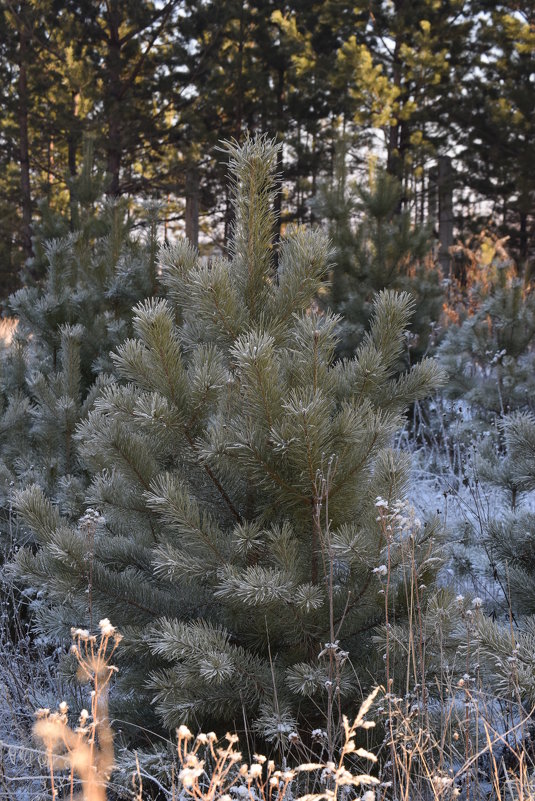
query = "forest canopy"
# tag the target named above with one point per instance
(441, 92)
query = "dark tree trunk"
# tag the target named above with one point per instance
(280, 131)
(445, 212)
(398, 133)
(239, 79)
(24, 150)
(72, 139)
(113, 100)
(393, 147)
(192, 204)
(72, 161)
(523, 237)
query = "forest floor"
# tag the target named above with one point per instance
(443, 483)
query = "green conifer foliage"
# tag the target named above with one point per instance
(490, 357)
(237, 467)
(67, 325)
(506, 642)
(377, 247)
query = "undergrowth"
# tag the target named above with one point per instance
(434, 732)
(458, 748)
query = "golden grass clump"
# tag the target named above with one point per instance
(87, 749)
(209, 772)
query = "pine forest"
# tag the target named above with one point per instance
(267, 400)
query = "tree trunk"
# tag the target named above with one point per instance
(192, 204)
(50, 169)
(238, 124)
(24, 150)
(398, 134)
(393, 162)
(72, 138)
(445, 213)
(113, 100)
(280, 132)
(523, 239)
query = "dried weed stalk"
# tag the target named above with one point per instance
(86, 751)
(209, 772)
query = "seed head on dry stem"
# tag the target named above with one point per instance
(85, 750)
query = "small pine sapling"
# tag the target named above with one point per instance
(376, 247)
(237, 467)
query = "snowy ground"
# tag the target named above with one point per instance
(27, 682)
(442, 484)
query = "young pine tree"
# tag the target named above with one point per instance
(506, 642)
(377, 247)
(237, 467)
(490, 360)
(67, 323)
(490, 355)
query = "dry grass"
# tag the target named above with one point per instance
(438, 736)
(468, 757)
(8, 326)
(85, 751)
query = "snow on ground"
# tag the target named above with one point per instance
(442, 483)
